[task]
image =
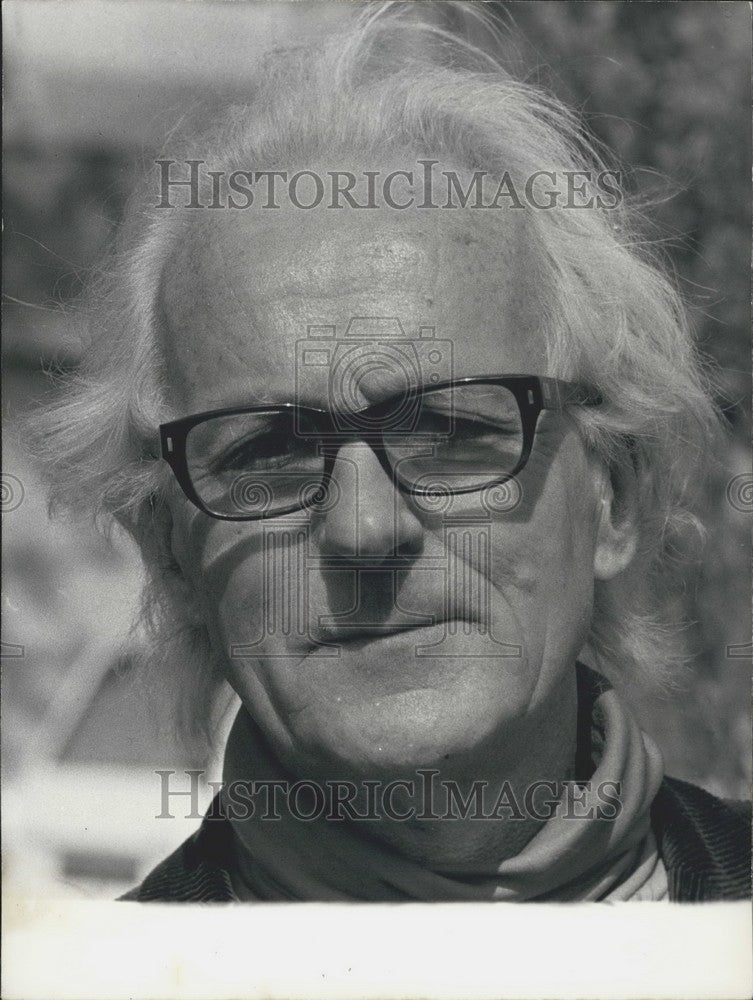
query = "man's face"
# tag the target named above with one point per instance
(240, 291)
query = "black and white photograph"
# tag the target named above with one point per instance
(377, 499)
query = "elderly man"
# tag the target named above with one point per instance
(403, 428)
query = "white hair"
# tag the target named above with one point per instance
(388, 84)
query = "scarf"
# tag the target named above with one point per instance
(569, 858)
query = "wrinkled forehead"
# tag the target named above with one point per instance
(240, 288)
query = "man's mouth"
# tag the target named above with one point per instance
(359, 635)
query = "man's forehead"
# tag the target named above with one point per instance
(298, 252)
(237, 282)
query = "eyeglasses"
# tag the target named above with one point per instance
(460, 436)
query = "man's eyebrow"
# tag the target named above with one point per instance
(239, 401)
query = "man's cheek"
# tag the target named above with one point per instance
(540, 562)
(239, 608)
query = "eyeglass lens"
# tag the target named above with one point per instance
(455, 439)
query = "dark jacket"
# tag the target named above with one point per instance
(705, 845)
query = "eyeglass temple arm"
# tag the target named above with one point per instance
(558, 393)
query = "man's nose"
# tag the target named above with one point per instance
(372, 520)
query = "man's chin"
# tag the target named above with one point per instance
(385, 705)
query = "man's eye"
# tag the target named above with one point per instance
(270, 450)
(476, 429)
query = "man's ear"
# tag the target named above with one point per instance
(160, 537)
(617, 534)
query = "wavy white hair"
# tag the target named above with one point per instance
(388, 84)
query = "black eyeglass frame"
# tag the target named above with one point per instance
(533, 393)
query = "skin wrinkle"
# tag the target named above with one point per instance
(394, 260)
(377, 710)
(228, 287)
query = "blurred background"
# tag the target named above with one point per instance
(91, 88)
